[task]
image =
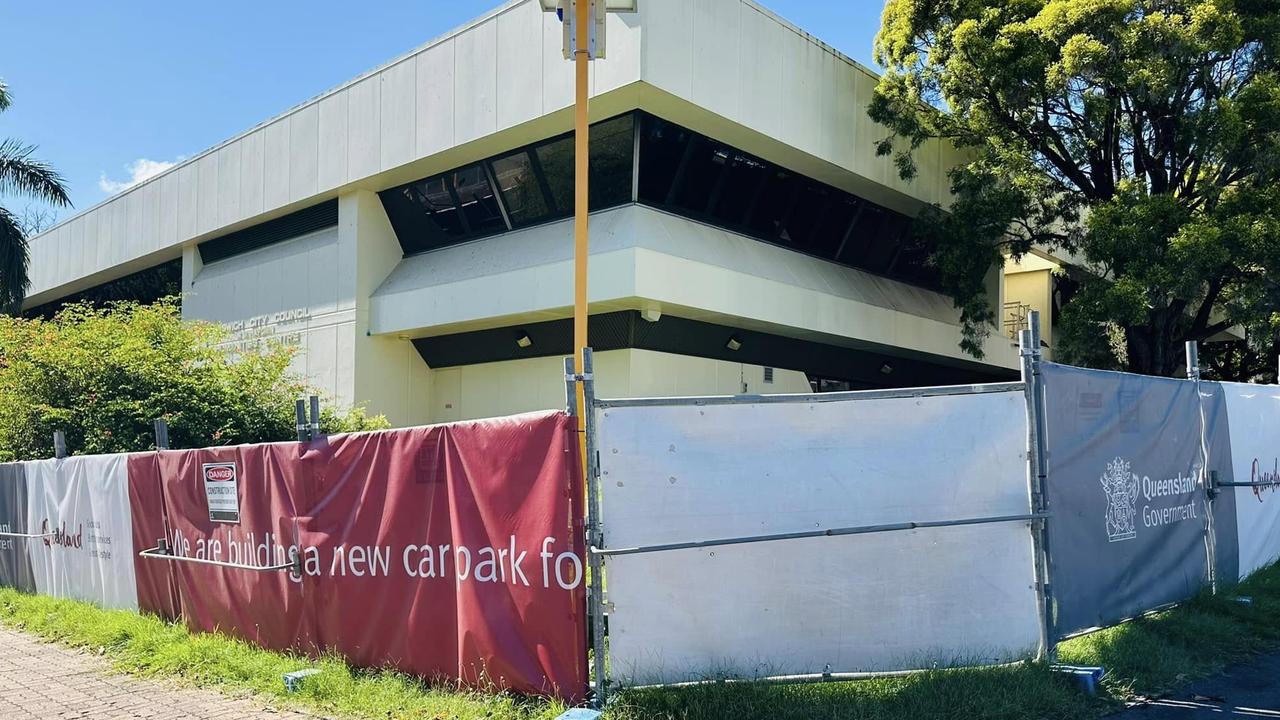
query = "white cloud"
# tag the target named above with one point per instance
(139, 170)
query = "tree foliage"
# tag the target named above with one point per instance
(1141, 137)
(21, 174)
(104, 374)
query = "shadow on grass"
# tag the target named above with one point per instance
(1154, 654)
(1025, 690)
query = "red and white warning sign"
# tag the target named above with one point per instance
(220, 490)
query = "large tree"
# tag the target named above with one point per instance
(21, 175)
(1140, 137)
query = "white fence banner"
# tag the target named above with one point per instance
(847, 603)
(1253, 412)
(81, 506)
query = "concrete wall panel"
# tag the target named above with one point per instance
(476, 73)
(207, 199)
(519, 76)
(304, 144)
(331, 163)
(275, 187)
(252, 172)
(228, 195)
(364, 128)
(398, 113)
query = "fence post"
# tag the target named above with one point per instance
(570, 385)
(59, 444)
(300, 411)
(595, 535)
(1029, 351)
(162, 434)
(1207, 476)
(315, 416)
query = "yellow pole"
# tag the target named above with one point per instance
(580, 208)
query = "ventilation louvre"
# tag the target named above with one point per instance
(307, 220)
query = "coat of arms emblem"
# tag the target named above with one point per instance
(1121, 487)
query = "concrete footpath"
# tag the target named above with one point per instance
(1247, 691)
(47, 682)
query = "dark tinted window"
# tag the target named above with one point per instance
(424, 214)
(523, 193)
(516, 189)
(697, 176)
(678, 170)
(474, 196)
(764, 218)
(739, 188)
(662, 148)
(611, 162)
(556, 160)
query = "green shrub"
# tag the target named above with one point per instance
(104, 374)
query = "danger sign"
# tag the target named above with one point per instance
(220, 491)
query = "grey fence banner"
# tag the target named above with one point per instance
(15, 553)
(1125, 487)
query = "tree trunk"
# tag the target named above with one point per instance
(1160, 355)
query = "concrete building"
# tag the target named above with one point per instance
(409, 229)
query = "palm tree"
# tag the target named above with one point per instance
(21, 175)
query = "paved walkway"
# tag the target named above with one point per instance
(49, 682)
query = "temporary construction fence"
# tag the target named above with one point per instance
(450, 551)
(787, 536)
(830, 535)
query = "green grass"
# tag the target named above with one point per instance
(1148, 656)
(149, 647)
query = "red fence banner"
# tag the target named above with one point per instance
(451, 552)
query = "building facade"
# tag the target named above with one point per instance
(410, 230)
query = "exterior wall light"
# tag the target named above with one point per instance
(524, 340)
(734, 343)
(886, 369)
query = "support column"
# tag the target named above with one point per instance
(387, 374)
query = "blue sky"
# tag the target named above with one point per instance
(112, 91)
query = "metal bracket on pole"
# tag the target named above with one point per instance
(162, 434)
(59, 444)
(1029, 351)
(595, 535)
(1193, 360)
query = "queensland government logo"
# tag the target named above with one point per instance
(1121, 487)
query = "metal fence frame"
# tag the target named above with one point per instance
(1037, 516)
